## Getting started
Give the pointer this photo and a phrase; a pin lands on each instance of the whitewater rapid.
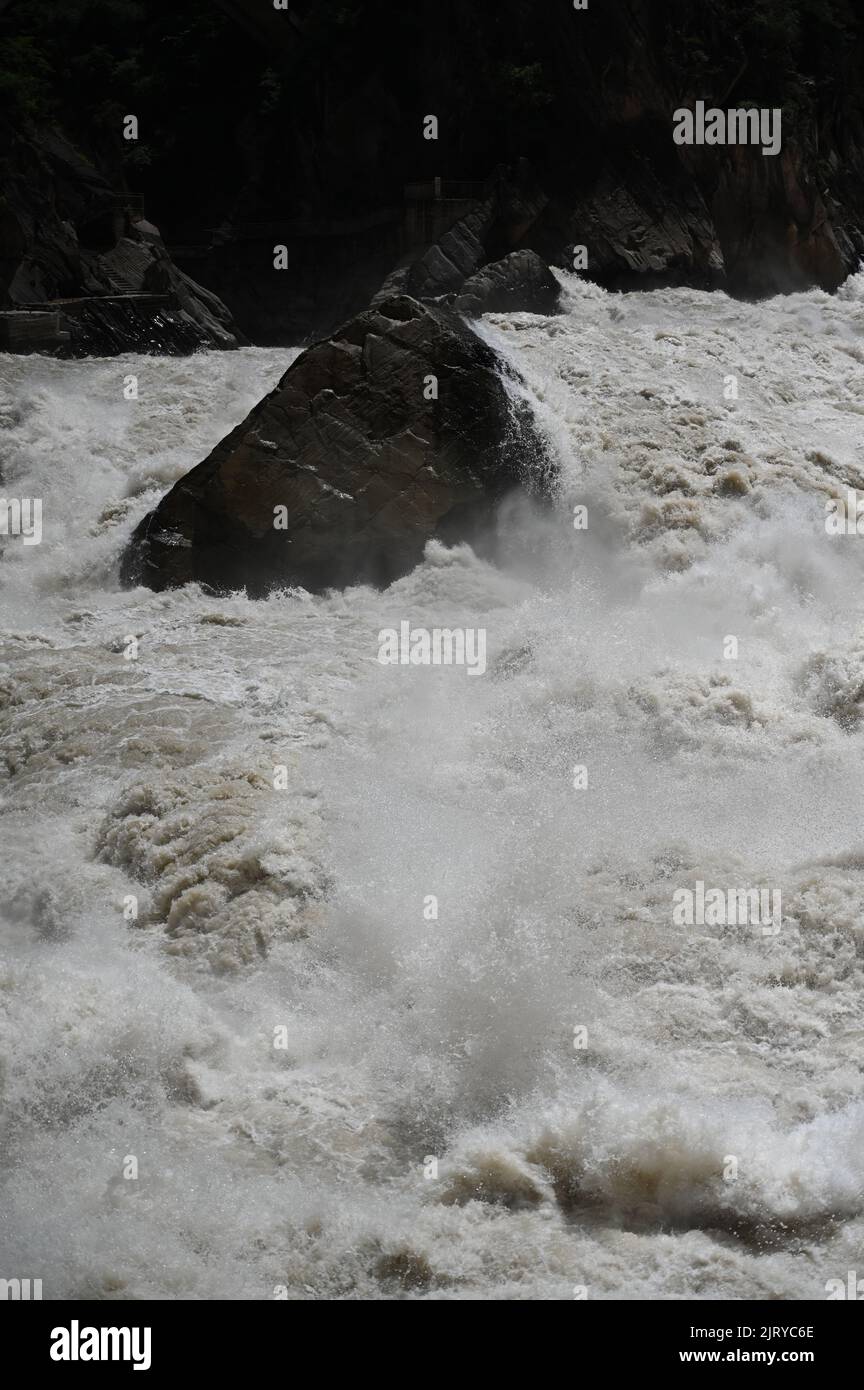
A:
(328, 1095)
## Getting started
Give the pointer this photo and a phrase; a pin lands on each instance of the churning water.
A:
(284, 1042)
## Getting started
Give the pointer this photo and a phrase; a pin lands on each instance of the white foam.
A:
(302, 909)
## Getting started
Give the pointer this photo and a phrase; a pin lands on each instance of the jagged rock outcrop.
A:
(779, 224)
(104, 326)
(457, 254)
(141, 264)
(65, 235)
(396, 429)
(633, 231)
(521, 282)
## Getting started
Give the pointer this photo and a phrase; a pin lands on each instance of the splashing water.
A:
(237, 990)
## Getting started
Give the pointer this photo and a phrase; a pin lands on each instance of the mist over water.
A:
(302, 909)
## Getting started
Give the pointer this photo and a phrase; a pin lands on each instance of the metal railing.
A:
(303, 227)
(133, 201)
(449, 190)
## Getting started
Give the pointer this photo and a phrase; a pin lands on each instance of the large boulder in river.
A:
(396, 429)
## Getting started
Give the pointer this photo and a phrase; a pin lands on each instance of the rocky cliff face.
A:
(647, 209)
(314, 137)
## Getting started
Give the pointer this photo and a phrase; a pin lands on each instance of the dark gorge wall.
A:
(303, 127)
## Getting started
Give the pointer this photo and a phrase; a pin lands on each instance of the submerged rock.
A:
(396, 429)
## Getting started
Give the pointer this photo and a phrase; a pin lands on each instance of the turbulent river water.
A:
(553, 1090)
